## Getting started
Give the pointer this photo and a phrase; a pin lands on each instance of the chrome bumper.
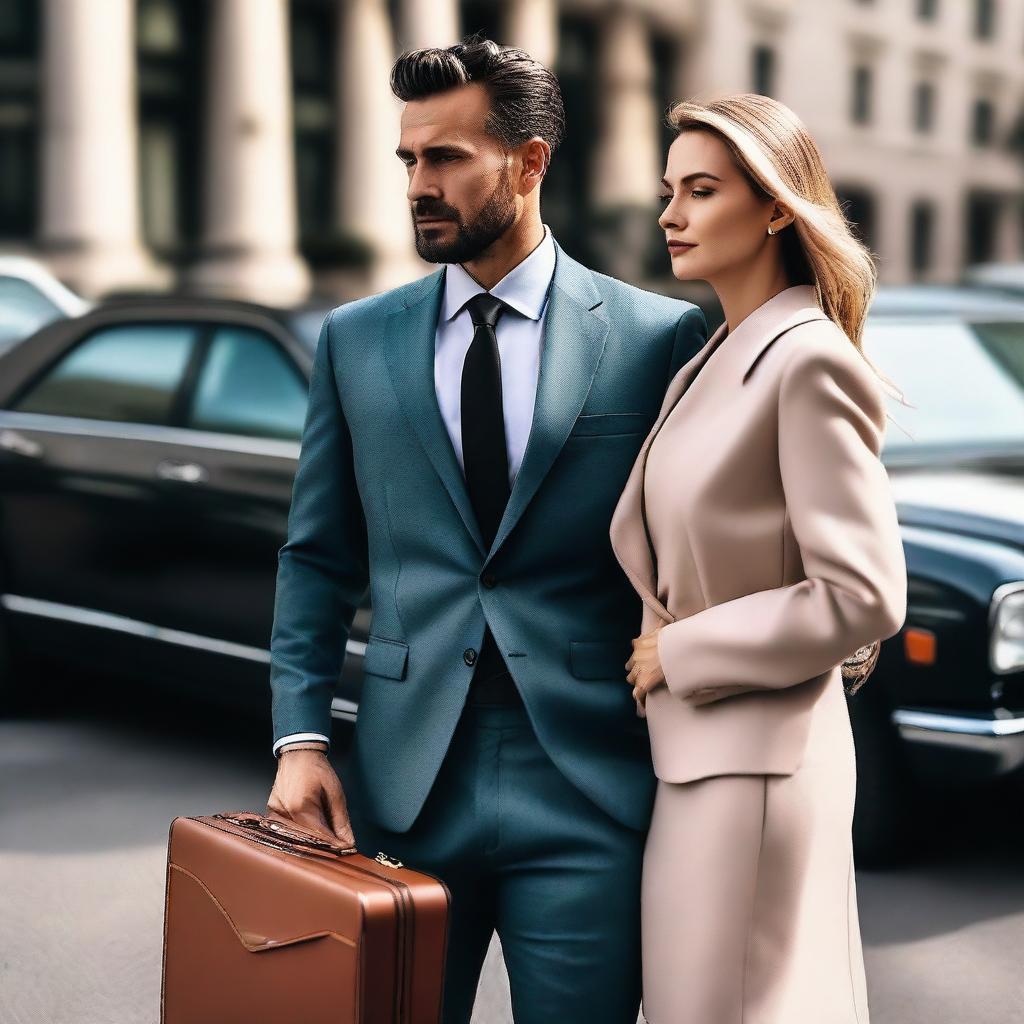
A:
(998, 738)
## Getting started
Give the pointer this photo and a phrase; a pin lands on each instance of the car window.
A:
(23, 310)
(128, 373)
(1006, 343)
(249, 385)
(958, 378)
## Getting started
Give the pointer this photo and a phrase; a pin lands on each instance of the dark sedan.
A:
(147, 451)
(946, 704)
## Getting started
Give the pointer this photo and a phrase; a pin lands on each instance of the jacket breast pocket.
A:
(385, 657)
(606, 424)
(598, 659)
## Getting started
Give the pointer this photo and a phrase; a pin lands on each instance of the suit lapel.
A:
(574, 339)
(628, 529)
(734, 364)
(409, 354)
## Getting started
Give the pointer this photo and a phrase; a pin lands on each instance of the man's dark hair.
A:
(525, 98)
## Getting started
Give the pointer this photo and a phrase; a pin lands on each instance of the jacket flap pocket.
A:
(595, 424)
(385, 657)
(599, 659)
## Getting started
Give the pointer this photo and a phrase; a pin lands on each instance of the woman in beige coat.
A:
(758, 528)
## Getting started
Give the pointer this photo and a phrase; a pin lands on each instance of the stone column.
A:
(627, 162)
(950, 241)
(91, 225)
(249, 235)
(371, 203)
(424, 23)
(892, 228)
(532, 25)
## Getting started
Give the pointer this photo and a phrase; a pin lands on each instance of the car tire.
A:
(885, 813)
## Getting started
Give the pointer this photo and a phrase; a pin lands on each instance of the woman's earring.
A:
(771, 230)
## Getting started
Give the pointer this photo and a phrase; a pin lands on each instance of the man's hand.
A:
(644, 667)
(308, 792)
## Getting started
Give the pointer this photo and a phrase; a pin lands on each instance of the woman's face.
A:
(713, 221)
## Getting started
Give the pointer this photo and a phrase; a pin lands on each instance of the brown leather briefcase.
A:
(267, 922)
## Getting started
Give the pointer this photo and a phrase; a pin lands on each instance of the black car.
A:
(147, 452)
(946, 703)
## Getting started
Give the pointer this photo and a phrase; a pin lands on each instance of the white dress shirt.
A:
(520, 335)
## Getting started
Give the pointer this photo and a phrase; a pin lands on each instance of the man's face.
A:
(461, 181)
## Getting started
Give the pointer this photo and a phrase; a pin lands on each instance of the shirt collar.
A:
(524, 288)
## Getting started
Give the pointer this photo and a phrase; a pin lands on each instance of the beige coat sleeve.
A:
(831, 423)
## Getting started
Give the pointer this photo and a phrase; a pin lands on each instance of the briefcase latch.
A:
(388, 862)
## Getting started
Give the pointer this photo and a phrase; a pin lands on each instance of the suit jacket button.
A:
(489, 581)
(469, 656)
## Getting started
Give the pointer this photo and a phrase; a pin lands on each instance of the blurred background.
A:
(246, 147)
(188, 186)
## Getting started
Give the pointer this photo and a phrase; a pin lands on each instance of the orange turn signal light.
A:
(919, 646)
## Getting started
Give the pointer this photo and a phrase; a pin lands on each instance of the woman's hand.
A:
(644, 667)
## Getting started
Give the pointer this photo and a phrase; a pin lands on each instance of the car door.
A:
(83, 520)
(245, 412)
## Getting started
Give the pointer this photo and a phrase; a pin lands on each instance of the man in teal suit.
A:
(467, 439)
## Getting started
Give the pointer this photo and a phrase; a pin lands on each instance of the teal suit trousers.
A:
(525, 854)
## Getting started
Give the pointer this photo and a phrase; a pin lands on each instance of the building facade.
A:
(246, 147)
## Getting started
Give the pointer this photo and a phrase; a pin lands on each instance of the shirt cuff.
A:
(295, 737)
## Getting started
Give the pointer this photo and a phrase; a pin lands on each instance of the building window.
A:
(983, 211)
(922, 231)
(763, 70)
(565, 202)
(983, 117)
(313, 34)
(169, 39)
(984, 19)
(859, 206)
(927, 10)
(924, 107)
(860, 110)
(19, 117)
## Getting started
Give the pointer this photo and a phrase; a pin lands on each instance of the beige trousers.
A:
(749, 899)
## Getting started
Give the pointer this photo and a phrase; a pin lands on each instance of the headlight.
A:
(1006, 650)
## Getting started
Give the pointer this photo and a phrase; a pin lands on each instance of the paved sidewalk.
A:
(86, 800)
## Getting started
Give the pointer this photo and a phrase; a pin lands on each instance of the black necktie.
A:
(484, 452)
(485, 458)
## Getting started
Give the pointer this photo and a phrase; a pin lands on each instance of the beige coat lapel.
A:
(734, 362)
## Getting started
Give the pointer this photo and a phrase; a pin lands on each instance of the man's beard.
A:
(471, 240)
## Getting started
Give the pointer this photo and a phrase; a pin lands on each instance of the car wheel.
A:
(885, 811)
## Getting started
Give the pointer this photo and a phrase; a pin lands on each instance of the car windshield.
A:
(965, 382)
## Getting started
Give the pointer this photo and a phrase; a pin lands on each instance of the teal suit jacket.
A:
(379, 501)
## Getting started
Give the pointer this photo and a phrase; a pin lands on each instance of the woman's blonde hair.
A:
(773, 148)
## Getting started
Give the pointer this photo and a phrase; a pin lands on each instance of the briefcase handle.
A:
(289, 834)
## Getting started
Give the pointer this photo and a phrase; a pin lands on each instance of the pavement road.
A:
(89, 784)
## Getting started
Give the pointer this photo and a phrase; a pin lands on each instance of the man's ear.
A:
(536, 157)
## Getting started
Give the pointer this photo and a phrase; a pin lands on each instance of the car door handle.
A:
(184, 472)
(12, 441)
